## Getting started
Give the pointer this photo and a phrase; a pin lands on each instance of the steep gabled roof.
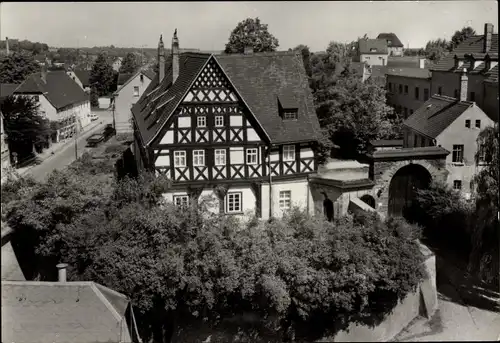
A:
(472, 45)
(63, 312)
(394, 40)
(83, 76)
(436, 114)
(124, 77)
(59, 89)
(366, 46)
(258, 78)
(148, 73)
(492, 75)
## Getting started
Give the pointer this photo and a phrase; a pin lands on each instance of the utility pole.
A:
(113, 108)
(76, 137)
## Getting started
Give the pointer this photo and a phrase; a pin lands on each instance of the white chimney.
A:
(488, 32)
(175, 57)
(61, 269)
(161, 60)
(421, 63)
(464, 80)
(7, 44)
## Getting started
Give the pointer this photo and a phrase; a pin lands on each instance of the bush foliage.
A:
(304, 276)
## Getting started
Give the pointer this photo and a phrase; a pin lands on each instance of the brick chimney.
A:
(61, 272)
(248, 50)
(7, 44)
(488, 32)
(175, 57)
(161, 60)
(464, 80)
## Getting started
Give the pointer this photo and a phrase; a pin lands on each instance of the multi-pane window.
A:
(467, 123)
(179, 158)
(478, 123)
(233, 202)
(417, 93)
(219, 121)
(289, 115)
(458, 153)
(202, 121)
(252, 156)
(457, 184)
(136, 91)
(198, 158)
(181, 200)
(285, 200)
(426, 94)
(37, 98)
(406, 89)
(289, 153)
(220, 157)
(482, 154)
(390, 86)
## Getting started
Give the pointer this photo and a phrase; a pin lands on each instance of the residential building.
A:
(5, 155)
(453, 124)
(373, 51)
(62, 311)
(408, 88)
(394, 45)
(60, 100)
(490, 98)
(478, 55)
(127, 95)
(83, 79)
(233, 131)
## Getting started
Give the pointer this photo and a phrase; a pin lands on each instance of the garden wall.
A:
(421, 302)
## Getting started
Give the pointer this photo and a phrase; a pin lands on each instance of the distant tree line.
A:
(24, 45)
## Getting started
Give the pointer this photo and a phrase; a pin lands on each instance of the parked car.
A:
(95, 140)
(93, 116)
(108, 132)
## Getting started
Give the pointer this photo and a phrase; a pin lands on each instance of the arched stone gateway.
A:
(403, 187)
(417, 166)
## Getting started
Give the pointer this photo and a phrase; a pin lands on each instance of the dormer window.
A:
(142, 78)
(287, 105)
(373, 50)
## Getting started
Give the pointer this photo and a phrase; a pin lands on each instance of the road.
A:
(65, 156)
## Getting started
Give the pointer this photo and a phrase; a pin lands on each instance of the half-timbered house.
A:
(237, 129)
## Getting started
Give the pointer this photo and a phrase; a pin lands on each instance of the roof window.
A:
(287, 105)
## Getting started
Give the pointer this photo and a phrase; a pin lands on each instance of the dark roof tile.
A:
(366, 46)
(60, 90)
(492, 75)
(436, 114)
(418, 73)
(392, 38)
(83, 76)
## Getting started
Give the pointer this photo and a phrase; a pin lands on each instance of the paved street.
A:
(467, 309)
(66, 155)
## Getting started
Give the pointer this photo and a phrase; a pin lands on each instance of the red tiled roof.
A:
(472, 45)
(418, 73)
(258, 78)
(366, 45)
(436, 114)
(63, 312)
(395, 42)
(60, 90)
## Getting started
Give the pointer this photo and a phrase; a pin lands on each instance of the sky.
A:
(207, 25)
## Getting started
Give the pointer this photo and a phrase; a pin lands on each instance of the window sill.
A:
(234, 213)
(457, 164)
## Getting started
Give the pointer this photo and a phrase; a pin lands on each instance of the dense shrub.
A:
(305, 277)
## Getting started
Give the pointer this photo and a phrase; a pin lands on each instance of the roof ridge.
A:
(260, 54)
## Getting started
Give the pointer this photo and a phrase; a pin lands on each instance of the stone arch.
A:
(403, 186)
(435, 167)
(368, 199)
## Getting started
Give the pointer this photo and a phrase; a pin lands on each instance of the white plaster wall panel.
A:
(236, 120)
(184, 122)
(236, 155)
(168, 138)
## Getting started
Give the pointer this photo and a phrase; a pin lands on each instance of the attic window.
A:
(142, 78)
(288, 107)
(373, 50)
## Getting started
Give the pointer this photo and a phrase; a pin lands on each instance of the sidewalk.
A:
(56, 147)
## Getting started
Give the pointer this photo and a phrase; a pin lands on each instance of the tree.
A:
(485, 236)
(435, 50)
(129, 64)
(102, 76)
(459, 36)
(306, 55)
(15, 68)
(251, 32)
(24, 126)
